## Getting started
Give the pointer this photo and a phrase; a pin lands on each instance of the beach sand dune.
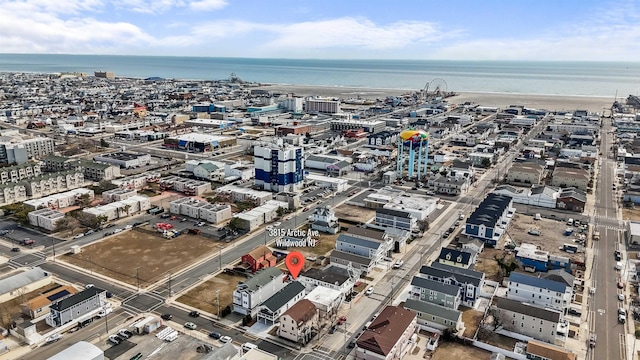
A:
(547, 102)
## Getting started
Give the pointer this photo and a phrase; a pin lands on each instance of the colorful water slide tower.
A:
(413, 146)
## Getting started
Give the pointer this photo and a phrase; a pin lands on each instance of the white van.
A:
(570, 222)
(619, 265)
(248, 346)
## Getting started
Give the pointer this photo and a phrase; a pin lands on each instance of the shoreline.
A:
(537, 101)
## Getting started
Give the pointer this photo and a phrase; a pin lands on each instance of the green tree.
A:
(63, 224)
(486, 163)
(104, 143)
(234, 223)
(84, 200)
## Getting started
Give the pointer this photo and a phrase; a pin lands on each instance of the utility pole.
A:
(169, 284)
(106, 322)
(53, 244)
(138, 277)
(218, 302)
(220, 256)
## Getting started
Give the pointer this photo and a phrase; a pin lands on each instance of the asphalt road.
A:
(604, 305)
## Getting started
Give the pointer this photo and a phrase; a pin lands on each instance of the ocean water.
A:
(516, 77)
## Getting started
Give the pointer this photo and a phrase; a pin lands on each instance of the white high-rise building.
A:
(279, 166)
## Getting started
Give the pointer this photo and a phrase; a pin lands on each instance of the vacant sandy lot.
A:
(119, 256)
(471, 319)
(450, 351)
(203, 296)
(354, 213)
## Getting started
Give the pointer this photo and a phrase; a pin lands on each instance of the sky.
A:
(567, 30)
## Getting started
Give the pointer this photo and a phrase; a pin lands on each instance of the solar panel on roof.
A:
(56, 296)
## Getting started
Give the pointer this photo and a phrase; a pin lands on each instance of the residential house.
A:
(537, 322)
(354, 262)
(389, 336)
(538, 291)
(297, 322)
(278, 303)
(76, 307)
(255, 290)
(324, 219)
(39, 305)
(525, 173)
(259, 258)
(327, 301)
(457, 258)
(471, 245)
(365, 247)
(207, 171)
(395, 218)
(19, 283)
(435, 292)
(331, 276)
(537, 350)
(572, 199)
(490, 218)
(469, 281)
(435, 316)
(448, 185)
(569, 177)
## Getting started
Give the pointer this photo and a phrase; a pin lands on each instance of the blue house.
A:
(488, 221)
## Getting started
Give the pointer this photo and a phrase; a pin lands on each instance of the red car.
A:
(342, 320)
(305, 209)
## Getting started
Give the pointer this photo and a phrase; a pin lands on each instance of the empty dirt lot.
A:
(120, 255)
(551, 232)
(451, 350)
(203, 296)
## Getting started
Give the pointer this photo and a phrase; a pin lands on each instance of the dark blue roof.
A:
(489, 210)
(424, 283)
(538, 282)
(453, 255)
(58, 295)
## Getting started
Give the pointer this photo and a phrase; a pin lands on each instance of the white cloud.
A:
(204, 5)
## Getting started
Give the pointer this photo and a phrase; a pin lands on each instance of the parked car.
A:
(305, 209)
(79, 236)
(618, 255)
(369, 291)
(109, 294)
(53, 338)
(333, 329)
(125, 333)
(194, 314)
(115, 339)
(342, 320)
(215, 335)
(592, 340)
(190, 326)
(534, 232)
(225, 339)
(398, 264)
(621, 297)
(166, 316)
(15, 249)
(89, 232)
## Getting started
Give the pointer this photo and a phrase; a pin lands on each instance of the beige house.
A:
(297, 322)
(567, 177)
(525, 173)
(39, 305)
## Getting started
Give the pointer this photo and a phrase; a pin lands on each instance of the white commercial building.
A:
(237, 193)
(336, 184)
(118, 194)
(213, 213)
(61, 200)
(120, 209)
(124, 160)
(45, 218)
(329, 106)
(263, 214)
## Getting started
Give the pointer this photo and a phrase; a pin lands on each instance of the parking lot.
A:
(184, 347)
(551, 233)
(16, 233)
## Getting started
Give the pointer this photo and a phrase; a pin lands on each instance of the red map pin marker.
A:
(295, 263)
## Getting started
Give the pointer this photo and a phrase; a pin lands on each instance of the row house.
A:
(539, 291)
(567, 177)
(271, 310)
(17, 173)
(250, 294)
(457, 258)
(45, 218)
(435, 316)
(469, 281)
(54, 183)
(365, 247)
(331, 277)
(540, 323)
(12, 193)
(490, 218)
(447, 185)
(525, 173)
(435, 292)
(199, 209)
(297, 323)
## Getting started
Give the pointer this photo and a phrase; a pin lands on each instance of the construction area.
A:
(141, 257)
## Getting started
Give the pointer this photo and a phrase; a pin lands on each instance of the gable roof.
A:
(72, 300)
(261, 278)
(546, 284)
(443, 274)
(358, 241)
(489, 210)
(424, 283)
(458, 270)
(356, 259)
(427, 308)
(386, 330)
(457, 256)
(330, 274)
(529, 310)
(301, 311)
(259, 252)
(366, 233)
(21, 279)
(50, 296)
(279, 299)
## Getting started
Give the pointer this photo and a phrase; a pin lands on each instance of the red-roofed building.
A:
(259, 258)
(389, 336)
(297, 322)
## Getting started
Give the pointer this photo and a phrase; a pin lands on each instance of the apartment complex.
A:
(279, 167)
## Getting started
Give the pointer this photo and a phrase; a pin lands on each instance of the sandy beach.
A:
(548, 102)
